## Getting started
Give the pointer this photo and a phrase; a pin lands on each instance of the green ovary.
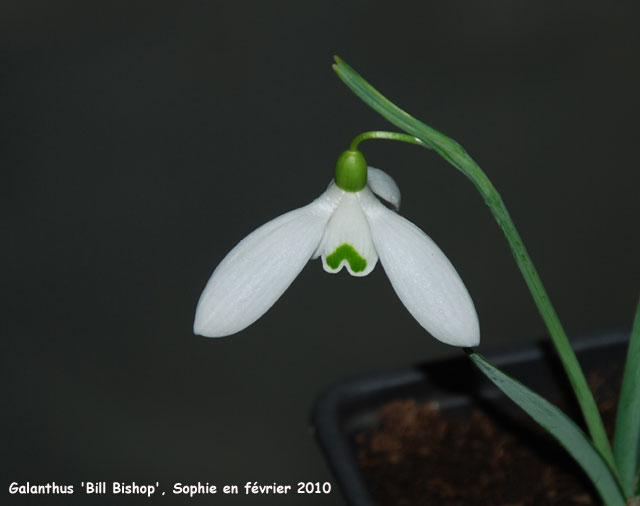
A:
(348, 253)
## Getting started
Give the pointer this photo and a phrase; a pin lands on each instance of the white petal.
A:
(347, 239)
(261, 267)
(422, 276)
(383, 185)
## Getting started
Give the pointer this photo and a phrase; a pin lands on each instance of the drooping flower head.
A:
(347, 226)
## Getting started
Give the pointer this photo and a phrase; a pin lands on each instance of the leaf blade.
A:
(561, 427)
(626, 442)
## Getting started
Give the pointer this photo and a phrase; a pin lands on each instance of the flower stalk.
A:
(392, 136)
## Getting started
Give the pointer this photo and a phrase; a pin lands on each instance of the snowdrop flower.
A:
(347, 226)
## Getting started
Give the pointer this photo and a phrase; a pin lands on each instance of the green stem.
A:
(548, 313)
(451, 151)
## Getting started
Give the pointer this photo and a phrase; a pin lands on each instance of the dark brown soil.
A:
(419, 457)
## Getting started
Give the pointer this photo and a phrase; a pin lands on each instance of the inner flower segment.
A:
(347, 240)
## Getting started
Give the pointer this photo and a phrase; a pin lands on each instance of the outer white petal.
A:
(347, 239)
(261, 267)
(422, 276)
(383, 185)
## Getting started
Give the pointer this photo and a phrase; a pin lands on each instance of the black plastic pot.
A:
(352, 406)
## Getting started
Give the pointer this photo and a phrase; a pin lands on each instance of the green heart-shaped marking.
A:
(348, 253)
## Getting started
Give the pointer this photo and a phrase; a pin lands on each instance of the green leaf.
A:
(626, 443)
(451, 151)
(561, 427)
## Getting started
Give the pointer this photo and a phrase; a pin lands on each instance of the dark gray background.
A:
(142, 140)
